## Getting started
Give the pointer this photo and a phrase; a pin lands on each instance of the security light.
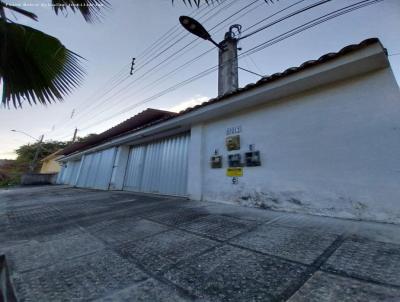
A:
(194, 27)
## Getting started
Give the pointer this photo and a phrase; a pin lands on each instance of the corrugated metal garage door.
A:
(69, 172)
(159, 167)
(96, 169)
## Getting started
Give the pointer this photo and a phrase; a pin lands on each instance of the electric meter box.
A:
(216, 161)
(232, 142)
(253, 159)
(235, 160)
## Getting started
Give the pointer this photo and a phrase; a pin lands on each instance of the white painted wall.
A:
(331, 151)
(196, 165)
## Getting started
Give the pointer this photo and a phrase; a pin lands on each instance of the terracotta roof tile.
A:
(131, 126)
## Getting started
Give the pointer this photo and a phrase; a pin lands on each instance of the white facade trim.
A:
(363, 61)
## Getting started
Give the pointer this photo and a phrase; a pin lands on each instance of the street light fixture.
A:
(36, 139)
(194, 27)
(228, 75)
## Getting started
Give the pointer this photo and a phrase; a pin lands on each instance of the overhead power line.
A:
(154, 68)
(120, 76)
(249, 71)
(171, 56)
(285, 18)
(255, 49)
(314, 23)
(273, 15)
(154, 45)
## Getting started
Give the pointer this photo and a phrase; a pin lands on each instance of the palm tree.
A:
(37, 67)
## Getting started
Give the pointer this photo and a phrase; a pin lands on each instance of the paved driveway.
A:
(64, 244)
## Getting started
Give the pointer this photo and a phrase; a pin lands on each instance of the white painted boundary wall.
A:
(331, 151)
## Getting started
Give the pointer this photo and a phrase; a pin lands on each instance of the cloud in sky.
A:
(196, 100)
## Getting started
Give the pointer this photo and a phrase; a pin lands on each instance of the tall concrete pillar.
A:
(228, 78)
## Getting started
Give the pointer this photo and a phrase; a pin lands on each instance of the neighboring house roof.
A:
(137, 123)
(143, 118)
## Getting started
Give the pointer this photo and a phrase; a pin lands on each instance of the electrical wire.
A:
(273, 15)
(313, 23)
(173, 55)
(165, 60)
(249, 71)
(314, 5)
(153, 45)
(253, 50)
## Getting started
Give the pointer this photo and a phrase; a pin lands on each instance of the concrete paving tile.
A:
(81, 279)
(4, 222)
(327, 287)
(33, 254)
(303, 221)
(158, 253)
(50, 227)
(149, 290)
(218, 227)
(179, 216)
(134, 212)
(294, 244)
(43, 232)
(241, 212)
(384, 232)
(123, 230)
(167, 206)
(232, 274)
(33, 215)
(370, 260)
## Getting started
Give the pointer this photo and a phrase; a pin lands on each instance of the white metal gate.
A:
(159, 167)
(69, 172)
(96, 169)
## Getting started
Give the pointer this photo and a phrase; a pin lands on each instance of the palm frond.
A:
(91, 10)
(197, 2)
(19, 10)
(35, 66)
(208, 2)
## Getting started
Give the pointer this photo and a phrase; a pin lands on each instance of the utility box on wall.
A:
(216, 161)
(235, 160)
(252, 159)
(232, 142)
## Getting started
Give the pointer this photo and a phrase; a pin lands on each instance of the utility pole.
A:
(33, 164)
(228, 76)
(74, 137)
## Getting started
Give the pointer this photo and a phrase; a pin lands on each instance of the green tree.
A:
(11, 171)
(86, 137)
(26, 153)
(37, 67)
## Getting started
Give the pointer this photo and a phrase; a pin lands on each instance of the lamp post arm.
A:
(35, 138)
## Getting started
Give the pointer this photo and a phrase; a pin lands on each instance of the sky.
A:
(150, 32)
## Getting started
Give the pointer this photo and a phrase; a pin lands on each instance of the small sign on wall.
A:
(233, 130)
(234, 172)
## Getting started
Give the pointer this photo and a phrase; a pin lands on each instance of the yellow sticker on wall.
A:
(234, 172)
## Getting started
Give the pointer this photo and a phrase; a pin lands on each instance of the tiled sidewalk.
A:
(65, 244)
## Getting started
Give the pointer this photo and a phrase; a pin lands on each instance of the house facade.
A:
(321, 138)
(50, 163)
